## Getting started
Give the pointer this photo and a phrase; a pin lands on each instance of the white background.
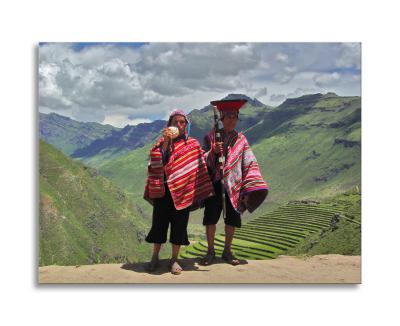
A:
(25, 23)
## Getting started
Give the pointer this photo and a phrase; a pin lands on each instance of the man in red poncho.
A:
(177, 182)
(243, 185)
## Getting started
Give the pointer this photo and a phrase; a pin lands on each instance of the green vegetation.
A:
(314, 154)
(84, 218)
(130, 172)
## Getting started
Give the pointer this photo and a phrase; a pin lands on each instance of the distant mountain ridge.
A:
(69, 135)
(121, 141)
(94, 143)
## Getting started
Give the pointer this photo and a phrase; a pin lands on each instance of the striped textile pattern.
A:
(186, 175)
(242, 175)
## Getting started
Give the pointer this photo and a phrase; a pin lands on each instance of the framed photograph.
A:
(199, 163)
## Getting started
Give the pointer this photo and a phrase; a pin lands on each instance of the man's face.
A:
(229, 119)
(179, 122)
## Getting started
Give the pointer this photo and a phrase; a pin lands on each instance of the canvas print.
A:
(199, 163)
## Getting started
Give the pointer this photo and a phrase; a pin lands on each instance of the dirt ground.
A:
(284, 269)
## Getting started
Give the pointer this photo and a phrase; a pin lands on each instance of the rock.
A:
(347, 143)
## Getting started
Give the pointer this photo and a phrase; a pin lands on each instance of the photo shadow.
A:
(187, 264)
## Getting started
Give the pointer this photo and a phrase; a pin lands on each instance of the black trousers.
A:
(164, 214)
(213, 209)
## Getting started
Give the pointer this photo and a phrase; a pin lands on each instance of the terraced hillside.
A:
(288, 227)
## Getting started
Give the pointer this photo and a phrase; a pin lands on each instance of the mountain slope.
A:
(312, 154)
(84, 218)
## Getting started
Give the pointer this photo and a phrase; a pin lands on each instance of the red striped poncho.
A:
(186, 175)
(242, 175)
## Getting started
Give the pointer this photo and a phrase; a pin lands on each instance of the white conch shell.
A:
(175, 131)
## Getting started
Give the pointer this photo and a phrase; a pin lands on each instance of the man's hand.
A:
(219, 147)
(167, 134)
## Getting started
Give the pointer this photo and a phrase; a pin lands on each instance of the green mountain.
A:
(69, 135)
(84, 218)
(310, 147)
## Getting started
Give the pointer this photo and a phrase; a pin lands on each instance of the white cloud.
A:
(282, 57)
(302, 91)
(277, 97)
(261, 92)
(121, 121)
(121, 84)
(137, 121)
(349, 56)
(326, 80)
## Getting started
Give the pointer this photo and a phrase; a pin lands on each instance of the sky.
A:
(131, 83)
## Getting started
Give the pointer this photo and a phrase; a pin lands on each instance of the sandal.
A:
(230, 258)
(153, 265)
(174, 267)
(207, 259)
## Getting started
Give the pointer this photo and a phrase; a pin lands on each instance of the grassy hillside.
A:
(84, 218)
(312, 154)
(130, 172)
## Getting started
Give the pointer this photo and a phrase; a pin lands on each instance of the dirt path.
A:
(285, 269)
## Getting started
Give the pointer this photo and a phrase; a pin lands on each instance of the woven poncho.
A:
(242, 175)
(186, 175)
